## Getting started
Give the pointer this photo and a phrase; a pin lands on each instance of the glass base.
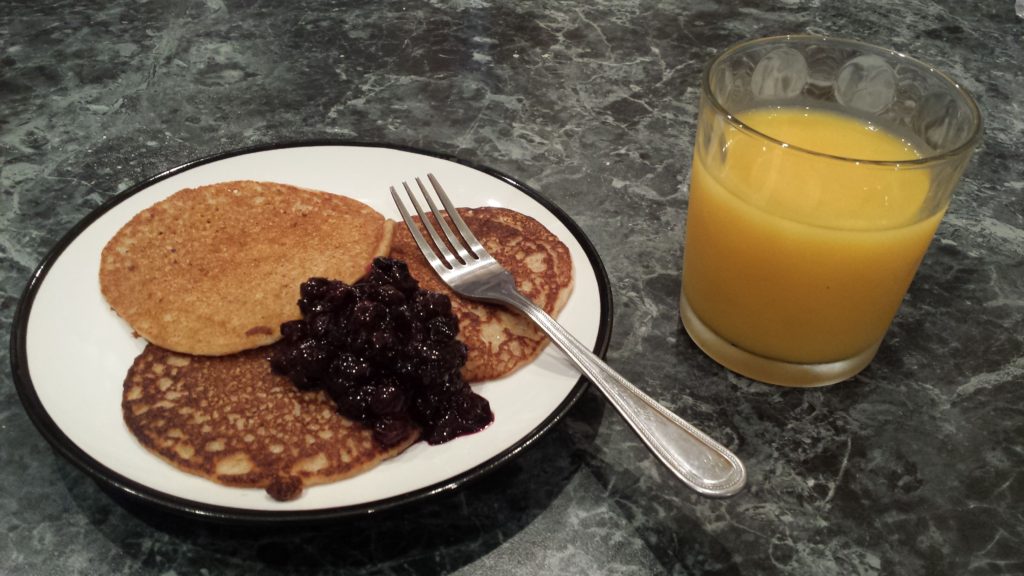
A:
(768, 370)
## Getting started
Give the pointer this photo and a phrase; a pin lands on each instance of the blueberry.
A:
(387, 294)
(293, 331)
(351, 368)
(443, 328)
(390, 431)
(387, 354)
(387, 399)
(368, 314)
(314, 289)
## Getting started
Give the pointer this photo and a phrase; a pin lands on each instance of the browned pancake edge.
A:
(232, 421)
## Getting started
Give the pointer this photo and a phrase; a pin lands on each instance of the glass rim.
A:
(963, 148)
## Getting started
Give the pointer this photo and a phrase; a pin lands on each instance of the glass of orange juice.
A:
(821, 170)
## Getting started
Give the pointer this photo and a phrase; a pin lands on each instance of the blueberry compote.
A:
(386, 352)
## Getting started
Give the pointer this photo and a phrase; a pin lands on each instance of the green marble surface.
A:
(916, 466)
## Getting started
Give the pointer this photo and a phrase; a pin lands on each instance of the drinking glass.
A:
(821, 170)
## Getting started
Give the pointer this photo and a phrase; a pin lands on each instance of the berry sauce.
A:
(386, 352)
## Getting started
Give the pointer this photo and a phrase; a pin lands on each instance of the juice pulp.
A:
(800, 257)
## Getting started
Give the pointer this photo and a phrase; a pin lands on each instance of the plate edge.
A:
(49, 429)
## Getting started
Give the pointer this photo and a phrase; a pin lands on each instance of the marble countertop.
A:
(916, 466)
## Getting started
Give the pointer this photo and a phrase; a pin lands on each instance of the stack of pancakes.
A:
(208, 275)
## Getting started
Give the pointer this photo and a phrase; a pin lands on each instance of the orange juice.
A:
(802, 257)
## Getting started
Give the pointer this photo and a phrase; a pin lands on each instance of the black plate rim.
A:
(109, 478)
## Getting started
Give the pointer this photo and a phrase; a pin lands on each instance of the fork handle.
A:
(696, 459)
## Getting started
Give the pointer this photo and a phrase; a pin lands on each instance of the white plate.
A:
(71, 352)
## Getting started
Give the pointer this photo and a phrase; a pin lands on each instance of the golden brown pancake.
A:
(231, 420)
(500, 340)
(216, 269)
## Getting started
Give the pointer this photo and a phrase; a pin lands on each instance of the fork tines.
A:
(450, 251)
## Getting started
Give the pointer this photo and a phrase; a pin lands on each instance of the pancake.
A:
(500, 340)
(216, 269)
(231, 420)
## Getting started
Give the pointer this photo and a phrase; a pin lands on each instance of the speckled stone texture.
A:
(914, 467)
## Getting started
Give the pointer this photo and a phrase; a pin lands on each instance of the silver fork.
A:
(696, 459)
